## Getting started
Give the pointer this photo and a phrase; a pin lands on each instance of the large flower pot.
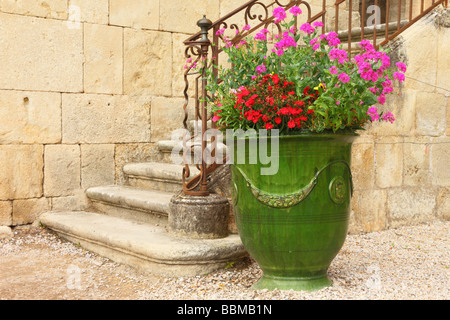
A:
(294, 223)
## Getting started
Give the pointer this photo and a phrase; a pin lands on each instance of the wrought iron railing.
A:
(398, 15)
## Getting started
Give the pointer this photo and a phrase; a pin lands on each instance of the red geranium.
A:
(270, 103)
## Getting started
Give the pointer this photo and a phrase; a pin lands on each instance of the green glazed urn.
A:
(294, 222)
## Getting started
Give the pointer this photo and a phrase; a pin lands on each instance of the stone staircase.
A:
(128, 224)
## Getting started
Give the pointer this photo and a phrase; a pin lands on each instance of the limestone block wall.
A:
(402, 171)
(81, 84)
(87, 86)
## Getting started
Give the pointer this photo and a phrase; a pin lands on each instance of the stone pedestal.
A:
(199, 217)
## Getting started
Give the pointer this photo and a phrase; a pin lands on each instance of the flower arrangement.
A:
(281, 83)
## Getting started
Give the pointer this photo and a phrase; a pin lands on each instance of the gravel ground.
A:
(410, 263)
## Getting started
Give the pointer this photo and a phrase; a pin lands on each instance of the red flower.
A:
(275, 79)
(291, 124)
(269, 126)
(277, 120)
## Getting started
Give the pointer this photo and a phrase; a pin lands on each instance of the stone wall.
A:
(82, 82)
(88, 86)
(401, 171)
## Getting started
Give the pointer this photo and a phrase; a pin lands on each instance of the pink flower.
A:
(382, 99)
(262, 36)
(373, 114)
(261, 69)
(366, 45)
(247, 27)
(333, 70)
(295, 11)
(344, 77)
(316, 46)
(307, 28)
(399, 76)
(338, 54)
(388, 117)
(220, 32)
(401, 66)
(215, 118)
(317, 24)
(333, 39)
(280, 14)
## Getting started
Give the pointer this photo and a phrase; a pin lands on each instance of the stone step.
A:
(140, 205)
(142, 246)
(167, 147)
(165, 177)
(369, 31)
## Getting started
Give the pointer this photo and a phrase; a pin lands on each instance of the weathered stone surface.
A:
(143, 246)
(62, 170)
(389, 163)
(422, 59)
(447, 132)
(403, 105)
(431, 114)
(5, 213)
(97, 165)
(77, 202)
(143, 206)
(178, 67)
(139, 14)
(89, 118)
(369, 211)
(443, 74)
(133, 152)
(27, 211)
(41, 54)
(220, 183)
(416, 161)
(21, 171)
(363, 165)
(182, 16)
(92, 11)
(440, 163)
(199, 217)
(443, 204)
(156, 176)
(29, 117)
(6, 232)
(148, 62)
(410, 206)
(55, 9)
(167, 116)
(103, 67)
